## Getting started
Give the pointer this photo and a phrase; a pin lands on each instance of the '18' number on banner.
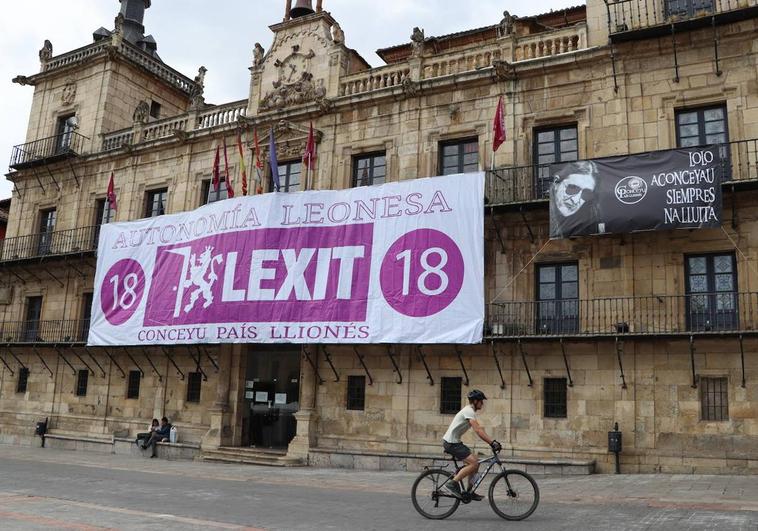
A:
(122, 290)
(422, 273)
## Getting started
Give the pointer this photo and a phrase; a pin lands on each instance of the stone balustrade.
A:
(374, 79)
(156, 67)
(221, 115)
(117, 139)
(550, 43)
(460, 61)
(75, 56)
(164, 128)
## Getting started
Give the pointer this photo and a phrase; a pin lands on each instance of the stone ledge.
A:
(368, 460)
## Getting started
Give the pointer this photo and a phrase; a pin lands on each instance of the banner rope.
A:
(744, 256)
(512, 280)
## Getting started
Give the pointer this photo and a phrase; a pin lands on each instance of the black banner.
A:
(661, 190)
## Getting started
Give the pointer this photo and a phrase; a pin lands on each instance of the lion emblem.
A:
(202, 274)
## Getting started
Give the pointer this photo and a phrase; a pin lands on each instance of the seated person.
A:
(142, 437)
(163, 433)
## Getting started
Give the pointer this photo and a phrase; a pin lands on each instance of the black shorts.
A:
(458, 450)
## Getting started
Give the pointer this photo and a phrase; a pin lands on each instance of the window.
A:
(47, 220)
(450, 400)
(132, 388)
(86, 315)
(714, 399)
(687, 8)
(156, 203)
(711, 292)
(65, 129)
(553, 145)
(155, 110)
(369, 170)
(23, 380)
(210, 195)
(289, 176)
(356, 392)
(459, 156)
(105, 213)
(557, 298)
(33, 314)
(555, 398)
(194, 382)
(702, 127)
(81, 382)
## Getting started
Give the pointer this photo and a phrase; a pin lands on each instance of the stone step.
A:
(248, 457)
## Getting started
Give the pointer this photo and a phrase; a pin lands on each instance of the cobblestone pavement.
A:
(43, 489)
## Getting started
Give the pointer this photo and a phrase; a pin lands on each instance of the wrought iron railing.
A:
(634, 15)
(55, 147)
(44, 332)
(50, 244)
(524, 184)
(702, 313)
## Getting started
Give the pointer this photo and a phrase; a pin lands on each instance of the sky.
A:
(218, 35)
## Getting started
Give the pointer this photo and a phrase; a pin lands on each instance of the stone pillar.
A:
(220, 432)
(307, 417)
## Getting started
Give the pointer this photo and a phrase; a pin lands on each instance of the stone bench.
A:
(119, 446)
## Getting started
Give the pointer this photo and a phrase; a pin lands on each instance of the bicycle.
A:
(509, 490)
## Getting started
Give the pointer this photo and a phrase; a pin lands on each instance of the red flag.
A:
(499, 126)
(243, 166)
(229, 189)
(216, 170)
(309, 158)
(111, 194)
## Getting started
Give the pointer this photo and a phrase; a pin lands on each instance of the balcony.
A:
(48, 150)
(72, 332)
(49, 245)
(519, 185)
(657, 315)
(640, 19)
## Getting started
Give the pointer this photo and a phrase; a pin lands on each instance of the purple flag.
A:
(273, 161)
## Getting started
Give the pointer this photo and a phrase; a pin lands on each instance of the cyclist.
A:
(451, 442)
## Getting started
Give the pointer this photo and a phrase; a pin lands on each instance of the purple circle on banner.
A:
(422, 273)
(122, 290)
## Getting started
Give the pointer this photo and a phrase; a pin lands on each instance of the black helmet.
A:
(476, 394)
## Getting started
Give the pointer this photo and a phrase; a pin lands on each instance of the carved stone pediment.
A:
(290, 141)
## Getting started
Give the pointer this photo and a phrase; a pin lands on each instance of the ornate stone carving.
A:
(141, 113)
(303, 91)
(417, 42)
(411, 89)
(22, 80)
(504, 71)
(46, 53)
(258, 54)
(68, 95)
(119, 24)
(338, 36)
(200, 77)
(506, 25)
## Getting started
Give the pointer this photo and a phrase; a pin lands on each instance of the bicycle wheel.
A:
(514, 495)
(430, 499)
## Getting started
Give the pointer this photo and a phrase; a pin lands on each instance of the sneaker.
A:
(453, 488)
(476, 497)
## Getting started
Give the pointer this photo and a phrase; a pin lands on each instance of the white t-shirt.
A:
(460, 425)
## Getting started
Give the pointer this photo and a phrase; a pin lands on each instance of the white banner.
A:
(396, 263)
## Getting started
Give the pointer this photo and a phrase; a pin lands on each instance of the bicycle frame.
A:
(491, 462)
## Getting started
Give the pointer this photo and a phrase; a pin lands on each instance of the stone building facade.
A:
(598, 80)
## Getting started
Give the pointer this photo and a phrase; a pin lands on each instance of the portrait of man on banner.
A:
(575, 208)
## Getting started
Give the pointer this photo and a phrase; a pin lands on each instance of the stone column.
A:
(220, 432)
(307, 416)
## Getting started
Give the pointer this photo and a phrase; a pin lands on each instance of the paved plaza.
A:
(53, 489)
